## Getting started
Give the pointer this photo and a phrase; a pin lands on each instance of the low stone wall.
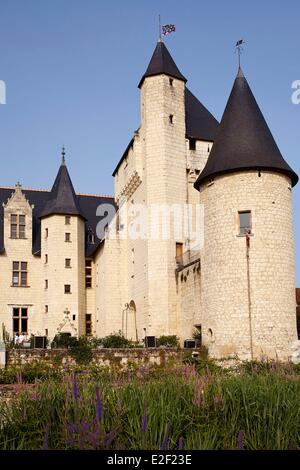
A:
(107, 357)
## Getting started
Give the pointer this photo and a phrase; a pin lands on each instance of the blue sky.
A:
(71, 68)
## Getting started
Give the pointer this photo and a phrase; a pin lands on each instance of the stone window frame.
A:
(18, 226)
(68, 263)
(67, 220)
(67, 289)
(20, 274)
(247, 229)
(67, 237)
(20, 316)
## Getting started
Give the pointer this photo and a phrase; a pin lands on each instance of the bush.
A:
(116, 340)
(63, 340)
(81, 351)
(167, 341)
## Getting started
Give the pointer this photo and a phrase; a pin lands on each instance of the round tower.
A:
(247, 264)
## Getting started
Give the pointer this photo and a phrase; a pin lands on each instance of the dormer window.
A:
(90, 237)
(17, 226)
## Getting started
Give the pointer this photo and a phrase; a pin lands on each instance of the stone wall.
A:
(106, 357)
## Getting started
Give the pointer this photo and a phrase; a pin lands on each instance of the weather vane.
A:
(239, 48)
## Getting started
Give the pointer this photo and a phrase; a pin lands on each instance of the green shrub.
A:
(81, 351)
(117, 340)
(167, 341)
(63, 340)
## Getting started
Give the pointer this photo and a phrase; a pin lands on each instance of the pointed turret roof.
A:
(244, 140)
(63, 199)
(199, 122)
(162, 63)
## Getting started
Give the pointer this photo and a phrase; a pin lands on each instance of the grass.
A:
(177, 407)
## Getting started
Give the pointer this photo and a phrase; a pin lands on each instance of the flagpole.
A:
(159, 26)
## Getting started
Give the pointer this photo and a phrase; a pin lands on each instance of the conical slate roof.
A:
(63, 199)
(162, 63)
(244, 140)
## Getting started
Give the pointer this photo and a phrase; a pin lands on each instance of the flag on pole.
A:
(168, 28)
(239, 43)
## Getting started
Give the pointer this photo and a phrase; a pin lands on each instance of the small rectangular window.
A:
(67, 289)
(171, 118)
(88, 324)
(46, 259)
(67, 262)
(67, 220)
(20, 320)
(171, 81)
(88, 274)
(46, 283)
(17, 226)
(245, 221)
(19, 277)
(46, 309)
(67, 237)
(192, 144)
(46, 233)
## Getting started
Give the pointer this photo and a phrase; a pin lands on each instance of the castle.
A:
(71, 263)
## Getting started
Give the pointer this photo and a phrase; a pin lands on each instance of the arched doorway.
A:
(130, 322)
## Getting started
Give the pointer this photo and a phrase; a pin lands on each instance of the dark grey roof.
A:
(87, 205)
(244, 141)
(62, 198)
(162, 63)
(199, 122)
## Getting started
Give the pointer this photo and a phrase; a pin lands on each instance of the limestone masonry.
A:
(198, 238)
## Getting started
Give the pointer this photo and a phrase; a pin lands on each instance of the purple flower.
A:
(46, 440)
(109, 437)
(75, 390)
(241, 440)
(164, 445)
(181, 443)
(144, 420)
(99, 405)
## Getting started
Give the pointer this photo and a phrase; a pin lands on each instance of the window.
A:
(171, 81)
(67, 262)
(46, 259)
(192, 144)
(67, 289)
(46, 233)
(20, 320)
(74, 317)
(88, 274)
(245, 222)
(88, 324)
(67, 220)
(46, 283)
(171, 118)
(91, 236)
(67, 237)
(179, 253)
(46, 309)
(19, 278)
(17, 226)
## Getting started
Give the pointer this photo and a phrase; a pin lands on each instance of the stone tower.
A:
(63, 258)
(163, 136)
(247, 264)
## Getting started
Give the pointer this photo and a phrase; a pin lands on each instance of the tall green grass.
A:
(171, 408)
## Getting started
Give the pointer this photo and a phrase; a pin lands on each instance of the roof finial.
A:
(63, 153)
(238, 49)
